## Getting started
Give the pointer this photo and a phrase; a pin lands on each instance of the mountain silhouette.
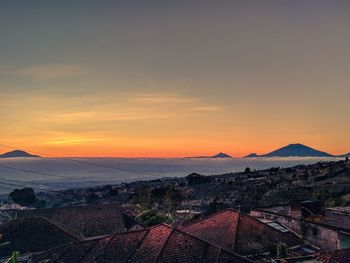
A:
(17, 153)
(218, 156)
(221, 155)
(252, 155)
(297, 150)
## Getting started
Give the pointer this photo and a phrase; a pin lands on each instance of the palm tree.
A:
(13, 258)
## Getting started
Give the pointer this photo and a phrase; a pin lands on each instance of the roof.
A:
(339, 256)
(330, 219)
(159, 244)
(88, 220)
(33, 235)
(243, 234)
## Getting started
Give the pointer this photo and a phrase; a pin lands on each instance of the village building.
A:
(244, 235)
(159, 244)
(31, 235)
(86, 221)
(327, 229)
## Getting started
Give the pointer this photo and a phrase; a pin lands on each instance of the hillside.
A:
(297, 150)
(17, 153)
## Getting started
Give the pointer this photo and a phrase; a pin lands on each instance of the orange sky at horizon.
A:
(160, 79)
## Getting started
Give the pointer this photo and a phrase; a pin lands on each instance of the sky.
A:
(174, 78)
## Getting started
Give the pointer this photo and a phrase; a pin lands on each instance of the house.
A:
(338, 256)
(240, 233)
(87, 220)
(159, 244)
(33, 235)
(329, 230)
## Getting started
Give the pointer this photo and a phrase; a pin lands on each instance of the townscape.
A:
(169, 131)
(295, 214)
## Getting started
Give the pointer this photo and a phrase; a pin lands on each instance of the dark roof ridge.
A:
(207, 245)
(95, 243)
(53, 223)
(212, 215)
(208, 242)
(63, 228)
(166, 241)
(218, 255)
(140, 230)
(236, 230)
(65, 246)
(82, 257)
(268, 206)
(139, 244)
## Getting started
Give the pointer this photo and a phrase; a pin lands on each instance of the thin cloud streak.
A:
(50, 71)
(208, 109)
(163, 98)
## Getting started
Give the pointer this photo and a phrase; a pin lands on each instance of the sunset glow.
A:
(184, 79)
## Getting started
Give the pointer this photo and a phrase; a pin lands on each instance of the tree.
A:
(24, 196)
(142, 197)
(151, 218)
(172, 199)
(247, 170)
(213, 205)
(282, 250)
(92, 198)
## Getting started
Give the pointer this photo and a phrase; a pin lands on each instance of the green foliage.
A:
(330, 199)
(155, 220)
(332, 202)
(24, 196)
(282, 250)
(13, 258)
(151, 218)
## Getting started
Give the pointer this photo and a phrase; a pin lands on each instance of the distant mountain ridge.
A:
(344, 155)
(16, 154)
(294, 150)
(217, 156)
(252, 155)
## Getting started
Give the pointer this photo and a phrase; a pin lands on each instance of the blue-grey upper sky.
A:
(171, 78)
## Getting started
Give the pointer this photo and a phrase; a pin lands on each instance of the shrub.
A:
(24, 196)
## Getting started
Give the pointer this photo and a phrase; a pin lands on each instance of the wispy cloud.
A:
(159, 98)
(207, 109)
(107, 115)
(153, 106)
(72, 140)
(50, 71)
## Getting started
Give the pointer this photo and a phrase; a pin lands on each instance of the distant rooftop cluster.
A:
(98, 233)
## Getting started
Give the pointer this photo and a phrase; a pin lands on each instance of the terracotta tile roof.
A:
(33, 235)
(339, 256)
(89, 220)
(121, 247)
(240, 233)
(219, 228)
(183, 247)
(154, 245)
